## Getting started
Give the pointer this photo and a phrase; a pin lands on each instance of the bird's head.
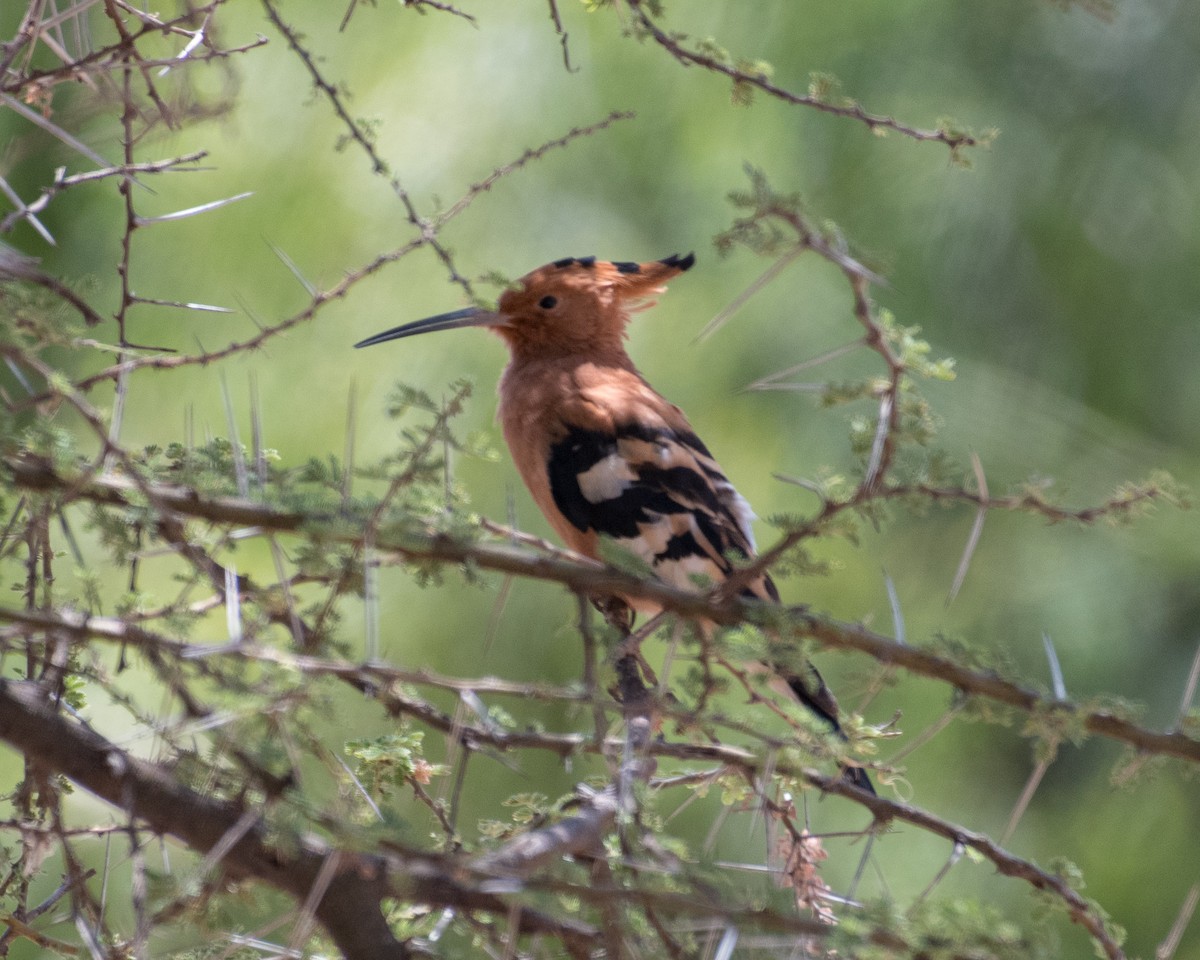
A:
(579, 305)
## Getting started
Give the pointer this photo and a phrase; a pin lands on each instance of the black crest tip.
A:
(572, 261)
(678, 262)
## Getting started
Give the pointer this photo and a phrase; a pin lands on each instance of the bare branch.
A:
(854, 111)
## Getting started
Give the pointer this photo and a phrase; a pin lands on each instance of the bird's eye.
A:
(548, 303)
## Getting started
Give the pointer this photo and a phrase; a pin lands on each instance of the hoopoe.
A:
(602, 453)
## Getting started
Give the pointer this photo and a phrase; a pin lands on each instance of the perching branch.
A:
(590, 578)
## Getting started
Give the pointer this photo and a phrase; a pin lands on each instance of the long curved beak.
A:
(470, 317)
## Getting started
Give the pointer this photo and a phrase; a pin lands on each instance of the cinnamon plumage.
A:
(602, 453)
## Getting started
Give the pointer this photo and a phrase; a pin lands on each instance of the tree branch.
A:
(594, 579)
(955, 141)
(349, 910)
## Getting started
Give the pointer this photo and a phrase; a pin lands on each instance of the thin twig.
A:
(854, 111)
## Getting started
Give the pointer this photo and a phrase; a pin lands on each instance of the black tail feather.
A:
(811, 691)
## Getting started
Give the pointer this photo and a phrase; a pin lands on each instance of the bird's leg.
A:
(617, 613)
(641, 720)
(631, 689)
(620, 616)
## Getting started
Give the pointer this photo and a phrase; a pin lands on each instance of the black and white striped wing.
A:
(658, 493)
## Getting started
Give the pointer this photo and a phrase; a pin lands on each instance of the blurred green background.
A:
(1060, 271)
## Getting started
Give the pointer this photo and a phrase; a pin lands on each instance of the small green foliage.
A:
(1048, 904)
(1135, 499)
(118, 533)
(386, 762)
(527, 809)
(622, 558)
(799, 560)
(911, 351)
(405, 398)
(74, 691)
(742, 92)
(368, 132)
(939, 929)
(34, 318)
(1051, 725)
(322, 472)
(90, 588)
(960, 927)
(44, 438)
(769, 226)
(407, 920)
(742, 643)
(500, 718)
(709, 48)
(836, 394)
(1137, 768)
(823, 86)
(493, 829)
(1114, 706)
(973, 658)
(959, 137)
(736, 790)
(285, 824)
(1069, 872)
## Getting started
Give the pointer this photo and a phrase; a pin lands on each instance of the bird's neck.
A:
(542, 388)
(547, 361)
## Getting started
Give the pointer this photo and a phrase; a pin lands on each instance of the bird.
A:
(602, 453)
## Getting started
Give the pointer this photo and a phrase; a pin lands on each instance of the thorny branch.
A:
(231, 821)
(93, 64)
(351, 908)
(590, 578)
(426, 229)
(319, 299)
(536, 153)
(582, 831)
(956, 141)
(62, 182)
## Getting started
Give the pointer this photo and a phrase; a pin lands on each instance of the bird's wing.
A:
(656, 491)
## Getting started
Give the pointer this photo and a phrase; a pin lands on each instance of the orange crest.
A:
(581, 304)
(578, 306)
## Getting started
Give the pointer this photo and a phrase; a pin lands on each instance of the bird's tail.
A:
(810, 689)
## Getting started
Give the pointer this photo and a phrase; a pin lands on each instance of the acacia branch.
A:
(350, 909)
(594, 579)
(854, 111)
(426, 230)
(1080, 910)
(581, 832)
(62, 182)
(319, 299)
(203, 359)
